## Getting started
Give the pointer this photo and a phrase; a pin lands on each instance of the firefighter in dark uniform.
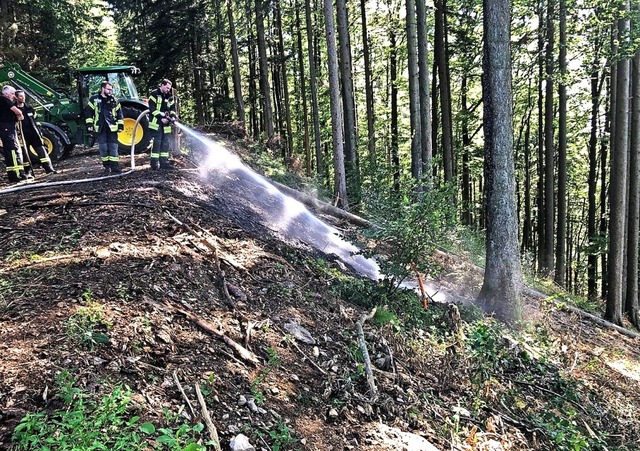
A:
(162, 108)
(104, 118)
(31, 136)
(9, 115)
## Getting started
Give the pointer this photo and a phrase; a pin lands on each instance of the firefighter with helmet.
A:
(162, 109)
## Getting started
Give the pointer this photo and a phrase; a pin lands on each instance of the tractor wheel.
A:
(53, 143)
(143, 134)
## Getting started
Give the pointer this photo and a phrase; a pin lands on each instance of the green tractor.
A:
(62, 116)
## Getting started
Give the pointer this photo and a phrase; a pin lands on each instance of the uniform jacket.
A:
(103, 112)
(161, 105)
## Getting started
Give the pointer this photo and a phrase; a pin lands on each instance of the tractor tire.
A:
(143, 134)
(53, 143)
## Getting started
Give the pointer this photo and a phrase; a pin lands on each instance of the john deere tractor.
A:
(62, 116)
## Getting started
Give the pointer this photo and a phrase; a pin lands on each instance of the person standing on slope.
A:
(104, 118)
(9, 115)
(162, 109)
(31, 134)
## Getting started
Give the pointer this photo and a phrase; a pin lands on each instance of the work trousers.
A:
(161, 148)
(35, 152)
(12, 157)
(108, 147)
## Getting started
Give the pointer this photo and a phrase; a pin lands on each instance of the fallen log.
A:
(321, 206)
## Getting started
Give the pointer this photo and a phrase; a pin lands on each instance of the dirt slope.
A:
(153, 253)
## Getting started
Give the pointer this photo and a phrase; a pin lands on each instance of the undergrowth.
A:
(492, 370)
(84, 422)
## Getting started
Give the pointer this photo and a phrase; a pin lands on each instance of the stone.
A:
(241, 443)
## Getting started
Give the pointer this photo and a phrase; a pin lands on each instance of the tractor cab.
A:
(89, 79)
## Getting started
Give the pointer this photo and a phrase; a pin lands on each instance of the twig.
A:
(241, 351)
(425, 296)
(177, 381)
(207, 327)
(365, 353)
(213, 432)
(295, 345)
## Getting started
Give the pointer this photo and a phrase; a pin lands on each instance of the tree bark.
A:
(633, 227)
(393, 80)
(285, 86)
(368, 87)
(267, 113)
(340, 181)
(313, 86)
(303, 95)
(414, 92)
(348, 104)
(441, 59)
(592, 258)
(562, 149)
(549, 165)
(237, 81)
(618, 197)
(500, 293)
(425, 98)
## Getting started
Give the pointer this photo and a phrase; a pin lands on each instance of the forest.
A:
(407, 84)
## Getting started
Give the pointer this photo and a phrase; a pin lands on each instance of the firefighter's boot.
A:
(164, 164)
(13, 176)
(107, 167)
(115, 168)
(48, 168)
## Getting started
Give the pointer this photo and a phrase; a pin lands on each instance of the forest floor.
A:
(145, 280)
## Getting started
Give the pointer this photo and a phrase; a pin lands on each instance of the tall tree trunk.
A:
(267, 113)
(348, 104)
(633, 228)
(618, 198)
(527, 226)
(254, 117)
(340, 180)
(436, 120)
(285, 85)
(425, 100)
(368, 86)
(441, 59)
(540, 135)
(549, 166)
(592, 258)
(562, 149)
(393, 80)
(500, 291)
(313, 86)
(237, 81)
(414, 93)
(303, 94)
(466, 144)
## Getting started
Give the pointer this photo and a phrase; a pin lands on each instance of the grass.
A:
(86, 422)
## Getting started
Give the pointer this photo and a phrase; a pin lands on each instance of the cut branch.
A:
(365, 353)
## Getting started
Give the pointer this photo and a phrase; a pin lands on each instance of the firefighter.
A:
(104, 118)
(31, 135)
(162, 108)
(9, 115)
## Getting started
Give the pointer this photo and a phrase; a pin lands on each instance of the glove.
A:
(120, 127)
(90, 128)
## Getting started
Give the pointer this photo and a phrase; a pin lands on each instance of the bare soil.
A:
(159, 253)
